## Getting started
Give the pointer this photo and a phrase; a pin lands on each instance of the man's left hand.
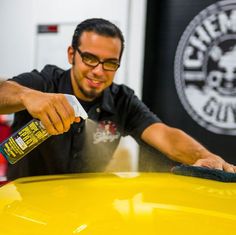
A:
(215, 162)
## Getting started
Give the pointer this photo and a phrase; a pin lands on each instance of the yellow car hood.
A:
(119, 203)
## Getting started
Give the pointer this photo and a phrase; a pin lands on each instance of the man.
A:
(95, 56)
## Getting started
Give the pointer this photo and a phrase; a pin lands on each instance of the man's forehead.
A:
(94, 35)
(94, 41)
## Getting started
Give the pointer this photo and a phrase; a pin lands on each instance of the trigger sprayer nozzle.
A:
(78, 108)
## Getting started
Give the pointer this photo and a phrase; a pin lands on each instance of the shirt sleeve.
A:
(45, 81)
(137, 116)
(32, 80)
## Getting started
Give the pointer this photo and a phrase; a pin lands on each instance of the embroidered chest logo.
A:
(205, 68)
(106, 132)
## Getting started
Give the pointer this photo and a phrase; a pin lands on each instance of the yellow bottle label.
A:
(23, 141)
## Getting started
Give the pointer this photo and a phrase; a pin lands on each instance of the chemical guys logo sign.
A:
(205, 68)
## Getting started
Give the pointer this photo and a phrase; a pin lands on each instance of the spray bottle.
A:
(32, 134)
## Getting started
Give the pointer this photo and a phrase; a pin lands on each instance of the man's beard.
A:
(92, 94)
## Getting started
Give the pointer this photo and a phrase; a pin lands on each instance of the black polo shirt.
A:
(89, 145)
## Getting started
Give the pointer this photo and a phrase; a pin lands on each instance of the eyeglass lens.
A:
(92, 60)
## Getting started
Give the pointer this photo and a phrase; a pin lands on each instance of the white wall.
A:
(19, 20)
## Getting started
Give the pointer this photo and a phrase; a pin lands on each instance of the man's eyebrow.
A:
(89, 53)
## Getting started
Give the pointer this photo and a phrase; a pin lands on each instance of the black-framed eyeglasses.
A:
(93, 61)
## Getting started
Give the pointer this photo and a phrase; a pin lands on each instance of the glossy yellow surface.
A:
(122, 203)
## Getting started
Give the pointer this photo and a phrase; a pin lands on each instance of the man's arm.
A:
(54, 111)
(10, 97)
(180, 147)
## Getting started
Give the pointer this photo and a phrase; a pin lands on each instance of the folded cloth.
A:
(204, 172)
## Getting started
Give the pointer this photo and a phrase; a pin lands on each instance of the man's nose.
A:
(98, 70)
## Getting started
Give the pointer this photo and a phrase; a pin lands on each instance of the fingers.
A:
(216, 164)
(48, 125)
(55, 122)
(66, 115)
(54, 111)
(229, 168)
(199, 163)
(77, 119)
(209, 164)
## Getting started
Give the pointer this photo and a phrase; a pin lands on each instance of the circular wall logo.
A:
(205, 68)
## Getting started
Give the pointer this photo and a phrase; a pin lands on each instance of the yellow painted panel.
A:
(119, 203)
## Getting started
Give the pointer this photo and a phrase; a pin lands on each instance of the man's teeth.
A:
(95, 81)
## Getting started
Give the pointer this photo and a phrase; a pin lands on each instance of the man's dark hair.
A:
(101, 27)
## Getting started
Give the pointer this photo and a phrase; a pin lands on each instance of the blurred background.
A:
(179, 59)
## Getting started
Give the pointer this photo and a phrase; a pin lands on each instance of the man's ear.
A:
(71, 55)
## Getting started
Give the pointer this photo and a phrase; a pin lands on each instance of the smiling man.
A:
(100, 53)
(95, 56)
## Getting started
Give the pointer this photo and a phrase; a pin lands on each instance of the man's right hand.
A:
(54, 110)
